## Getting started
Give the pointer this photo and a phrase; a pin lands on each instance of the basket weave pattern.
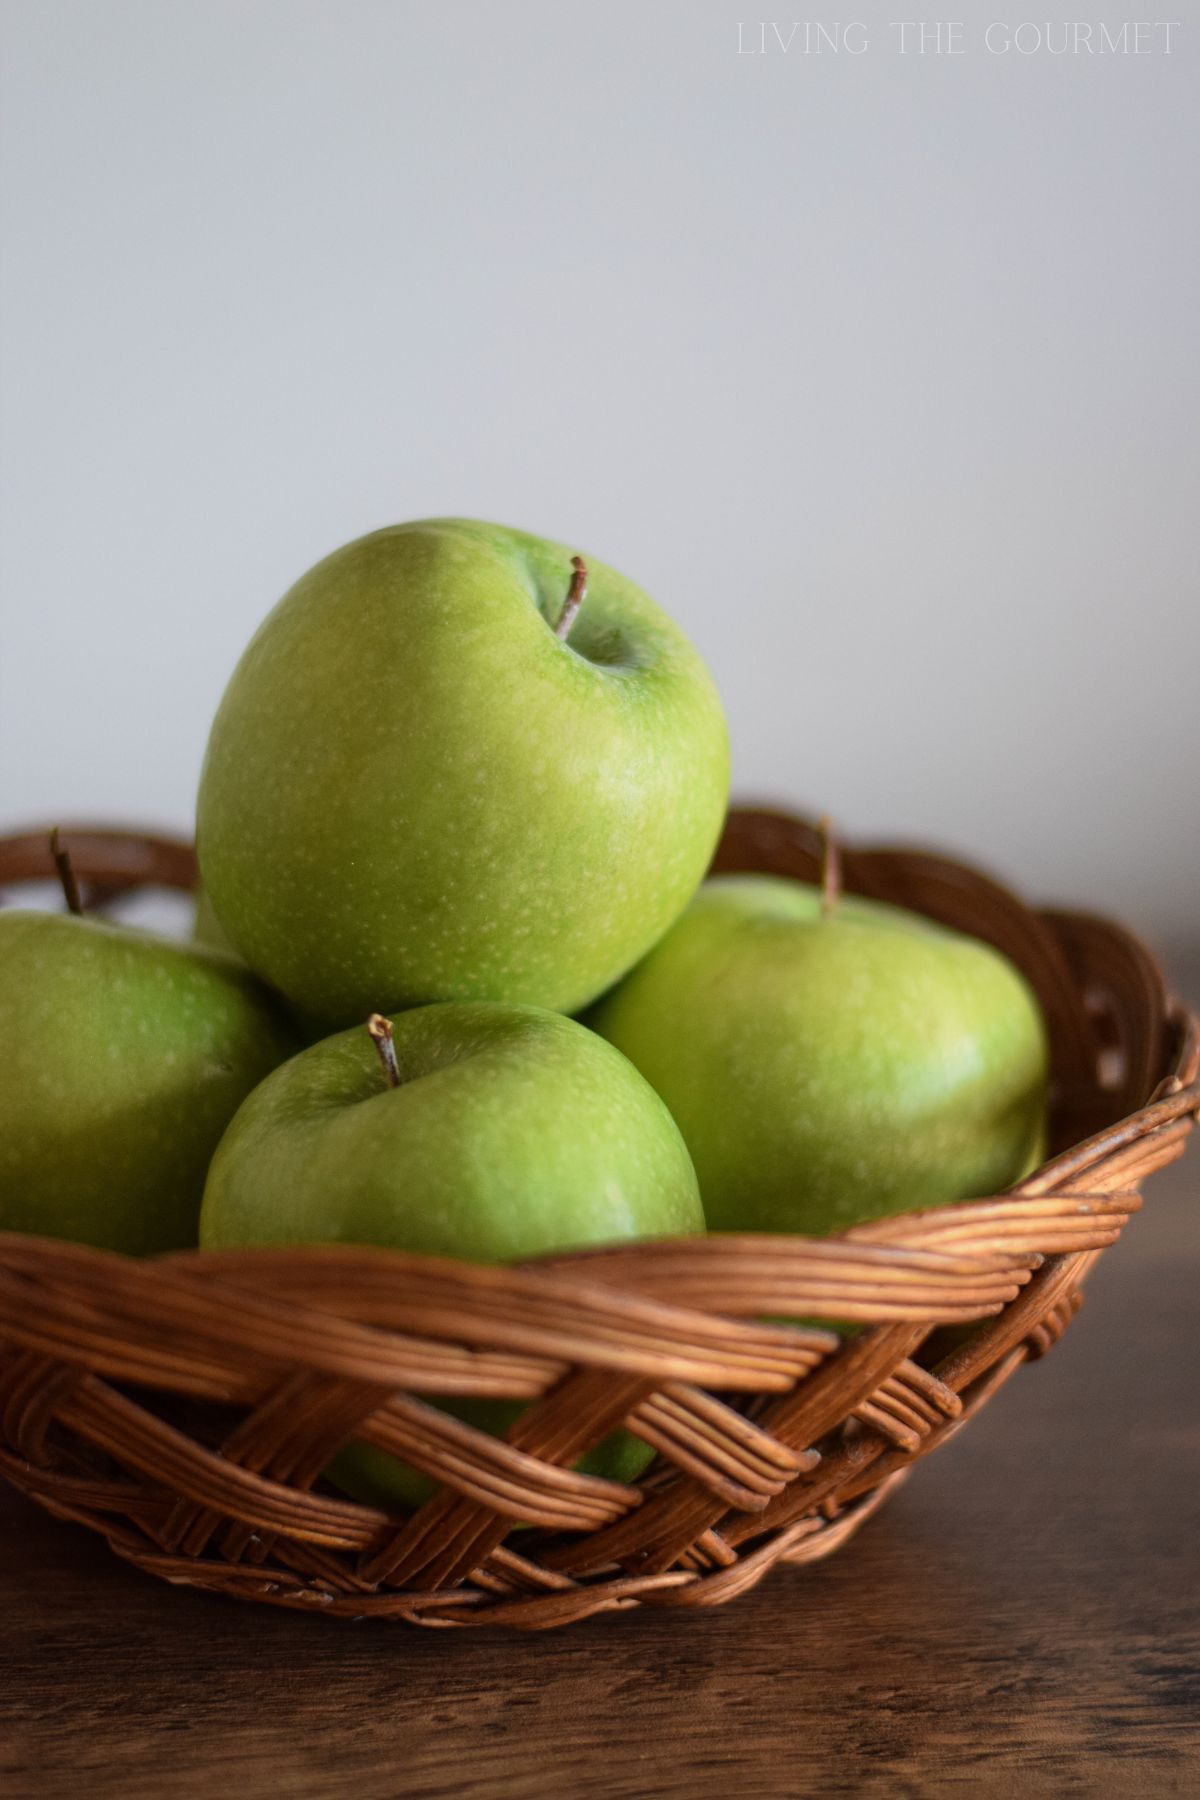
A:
(185, 1407)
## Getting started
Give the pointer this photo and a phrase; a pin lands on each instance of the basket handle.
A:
(110, 860)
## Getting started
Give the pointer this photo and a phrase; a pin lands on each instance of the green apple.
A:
(124, 1057)
(207, 931)
(503, 1132)
(456, 763)
(831, 1066)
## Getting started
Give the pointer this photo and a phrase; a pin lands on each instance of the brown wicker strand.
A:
(186, 1407)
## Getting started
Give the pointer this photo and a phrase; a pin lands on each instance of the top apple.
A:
(424, 782)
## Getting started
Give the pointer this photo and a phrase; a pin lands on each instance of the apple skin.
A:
(207, 932)
(124, 1056)
(415, 791)
(515, 1132)
(825, 1071)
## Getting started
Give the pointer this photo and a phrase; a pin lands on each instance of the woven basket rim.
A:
(774, 1442)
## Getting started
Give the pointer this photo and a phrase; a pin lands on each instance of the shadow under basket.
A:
(185, 1406)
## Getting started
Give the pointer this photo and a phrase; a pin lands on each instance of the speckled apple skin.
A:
(515, 1132)
(414, 791)
(827, 1071)
(122, 1059)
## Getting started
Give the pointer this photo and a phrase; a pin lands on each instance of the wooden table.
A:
(1023, 1618)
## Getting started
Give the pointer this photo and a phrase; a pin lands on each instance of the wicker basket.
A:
(184, 1407)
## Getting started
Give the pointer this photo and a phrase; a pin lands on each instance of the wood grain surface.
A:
(1022, 1619)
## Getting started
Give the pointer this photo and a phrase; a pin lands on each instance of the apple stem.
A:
(381, 1031)
(831, 867)
(575, 598)
(66, 874)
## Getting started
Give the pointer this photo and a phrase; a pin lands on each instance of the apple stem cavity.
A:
(381, 1033)
(66, 874)
(831, 867)
(575, 598)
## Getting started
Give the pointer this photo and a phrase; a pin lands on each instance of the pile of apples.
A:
(459, 984)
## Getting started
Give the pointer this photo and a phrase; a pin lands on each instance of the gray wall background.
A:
(880, 372)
